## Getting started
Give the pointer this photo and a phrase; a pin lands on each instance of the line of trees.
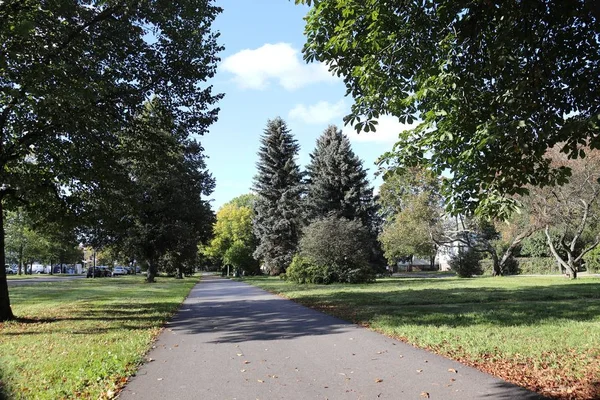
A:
(561, 222)
(99, 102)
(307, 219)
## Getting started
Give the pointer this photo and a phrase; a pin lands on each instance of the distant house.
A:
(413, 263)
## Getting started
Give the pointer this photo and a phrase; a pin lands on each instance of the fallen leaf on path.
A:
(377, 380)
(239, 354)
(260, 381)
(159, 379)
(242, 370)
(419, 370)
(425, 394)
(452, 370)
(246, 362)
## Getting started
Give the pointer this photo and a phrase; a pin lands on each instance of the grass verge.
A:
(542, 333)
(82, 338)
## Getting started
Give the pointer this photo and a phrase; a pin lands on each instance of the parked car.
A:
(119, 271)
(38, 269)
(9, 270)
(94, 272)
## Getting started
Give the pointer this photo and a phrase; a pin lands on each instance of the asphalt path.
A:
(231, 340)
(43, 279)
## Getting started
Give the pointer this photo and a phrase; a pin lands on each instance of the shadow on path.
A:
(260, 316)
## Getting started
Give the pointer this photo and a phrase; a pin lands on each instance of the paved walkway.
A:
(231, 340)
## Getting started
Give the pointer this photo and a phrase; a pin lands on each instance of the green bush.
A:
(592, 261)
(466, 263)
(333, 249)
(302, 270)
(538, 266)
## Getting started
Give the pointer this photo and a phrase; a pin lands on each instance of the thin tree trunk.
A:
(496, 270)
(151, 272)
(21, 259)
(179, 274)
(5, 310)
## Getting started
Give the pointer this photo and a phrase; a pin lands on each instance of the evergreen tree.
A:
(278, 188)
(337, 182)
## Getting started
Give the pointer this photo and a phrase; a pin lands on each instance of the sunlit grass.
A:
(82, 338)
(540, 332)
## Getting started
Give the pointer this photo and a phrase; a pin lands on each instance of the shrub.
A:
(335, 250)
(303, 270)
(511, 267)
(538, 266)
(592, 261)
(466, 263)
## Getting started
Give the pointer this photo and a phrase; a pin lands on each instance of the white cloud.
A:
(388, 128)
(319, 113)
(280, 62)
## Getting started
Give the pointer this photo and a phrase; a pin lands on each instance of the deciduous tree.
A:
(493, 85)
(74, 74)
(234, 242)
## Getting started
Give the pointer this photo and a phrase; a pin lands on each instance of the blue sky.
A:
(263, 76)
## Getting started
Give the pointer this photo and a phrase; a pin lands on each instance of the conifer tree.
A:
(337, 182)
(278, 188)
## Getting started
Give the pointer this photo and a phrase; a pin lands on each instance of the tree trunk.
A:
(21, 259)
(5, 310)
(151, 272)
(179, 274)
(496, 268)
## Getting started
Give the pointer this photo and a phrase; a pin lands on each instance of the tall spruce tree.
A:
(337, 182)
(278, 188)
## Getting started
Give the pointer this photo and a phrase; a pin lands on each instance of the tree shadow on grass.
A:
(4, 390)
(460, 307)
(124, 316)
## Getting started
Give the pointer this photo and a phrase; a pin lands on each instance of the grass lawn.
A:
(539, 332)
(82, 338)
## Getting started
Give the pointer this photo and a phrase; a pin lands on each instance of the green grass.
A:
(539, 332)
(33, 276)
(82, 338)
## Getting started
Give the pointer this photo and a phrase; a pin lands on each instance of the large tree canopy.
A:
(73, 76)
(494, 83)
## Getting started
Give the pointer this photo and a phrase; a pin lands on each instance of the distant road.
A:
(43, 279)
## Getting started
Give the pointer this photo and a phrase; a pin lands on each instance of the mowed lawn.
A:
(82, 338)
(539, 332)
